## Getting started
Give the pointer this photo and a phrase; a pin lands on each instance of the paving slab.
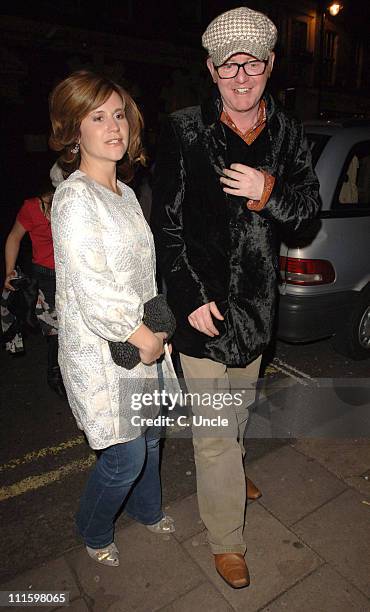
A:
(153, 571)
(53, 576)
(339, 533)
(187, 519)
(78, 605)
(203, 598)
(361, 483)
(276, 558)
(292, 484)
(343, 457)
(323, 591)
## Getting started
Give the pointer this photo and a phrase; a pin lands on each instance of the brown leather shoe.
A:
(233, 569)
(252, 491)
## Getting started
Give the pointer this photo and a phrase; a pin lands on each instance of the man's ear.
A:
(212, 69)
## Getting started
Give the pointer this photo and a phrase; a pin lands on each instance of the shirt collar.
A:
(251, 134)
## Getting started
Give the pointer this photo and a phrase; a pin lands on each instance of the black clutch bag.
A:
(159, 318)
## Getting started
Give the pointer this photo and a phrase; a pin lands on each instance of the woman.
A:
(105, 269)
(34, 217)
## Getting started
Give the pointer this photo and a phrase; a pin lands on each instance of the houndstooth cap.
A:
(241, 30)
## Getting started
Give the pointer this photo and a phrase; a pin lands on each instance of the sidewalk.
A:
(308, 546)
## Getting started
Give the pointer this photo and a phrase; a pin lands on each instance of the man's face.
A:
(241, 93)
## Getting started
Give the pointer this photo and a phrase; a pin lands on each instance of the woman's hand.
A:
(12, 245)
(7, 283)
(154, 350)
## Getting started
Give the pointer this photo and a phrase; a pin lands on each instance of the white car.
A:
(325, 269)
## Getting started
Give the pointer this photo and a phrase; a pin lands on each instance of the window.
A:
(317, 143)
(330, 57)
(299, 37)
(300, 64)
(358, 62)
(354, 184)
(366, 73)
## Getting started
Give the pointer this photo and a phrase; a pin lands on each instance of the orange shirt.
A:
(250, 136)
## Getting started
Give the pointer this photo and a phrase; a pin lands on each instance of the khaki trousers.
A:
(219, 449)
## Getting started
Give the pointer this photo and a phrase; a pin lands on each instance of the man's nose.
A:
(241, 77)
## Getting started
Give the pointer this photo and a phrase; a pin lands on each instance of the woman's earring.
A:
(76, 148)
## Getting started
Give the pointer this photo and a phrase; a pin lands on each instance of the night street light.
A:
(334, 9)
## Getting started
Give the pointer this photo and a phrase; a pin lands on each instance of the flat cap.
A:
(240, 30)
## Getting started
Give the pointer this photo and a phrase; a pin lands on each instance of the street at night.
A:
(217, 155)
(45, 460)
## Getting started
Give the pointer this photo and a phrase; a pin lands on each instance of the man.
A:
(228, 174)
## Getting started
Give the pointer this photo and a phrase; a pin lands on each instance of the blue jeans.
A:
(127, 472)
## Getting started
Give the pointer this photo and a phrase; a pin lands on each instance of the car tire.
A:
(354, 339)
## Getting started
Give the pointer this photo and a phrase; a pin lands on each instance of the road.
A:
(44, 459)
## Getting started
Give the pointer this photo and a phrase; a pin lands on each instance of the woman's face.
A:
(104, 132)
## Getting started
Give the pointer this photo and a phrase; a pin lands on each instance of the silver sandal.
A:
(107, 556)
(165, 525)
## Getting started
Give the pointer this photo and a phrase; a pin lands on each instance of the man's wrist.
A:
(269, 182)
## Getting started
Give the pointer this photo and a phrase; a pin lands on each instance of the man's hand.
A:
(201, 319)
(243, 181)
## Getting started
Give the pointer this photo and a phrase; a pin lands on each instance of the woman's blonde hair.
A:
(69, 103)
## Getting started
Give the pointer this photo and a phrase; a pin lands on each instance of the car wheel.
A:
(354, 340)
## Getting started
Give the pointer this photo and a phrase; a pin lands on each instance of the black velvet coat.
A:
(209, 245)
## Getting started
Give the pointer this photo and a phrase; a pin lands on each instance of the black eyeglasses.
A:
(251, 68)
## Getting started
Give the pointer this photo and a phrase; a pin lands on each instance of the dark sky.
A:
(175, 20)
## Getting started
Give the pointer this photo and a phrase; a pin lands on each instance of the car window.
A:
(317, 143)
(353, 189)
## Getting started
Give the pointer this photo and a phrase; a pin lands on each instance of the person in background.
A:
(34, 217)
(227, 175)
(105, 271)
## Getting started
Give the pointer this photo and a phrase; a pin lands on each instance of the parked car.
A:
(325, 270)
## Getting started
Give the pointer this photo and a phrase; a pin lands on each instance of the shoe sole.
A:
(233, 586)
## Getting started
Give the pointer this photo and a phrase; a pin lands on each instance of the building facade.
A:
(321, 70)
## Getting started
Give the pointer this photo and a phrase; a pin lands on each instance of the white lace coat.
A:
(105, 264)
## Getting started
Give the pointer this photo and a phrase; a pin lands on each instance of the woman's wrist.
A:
(143, 338)
(150, 343)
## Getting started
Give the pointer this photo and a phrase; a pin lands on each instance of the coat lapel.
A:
(214, 132)
(215, 137)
